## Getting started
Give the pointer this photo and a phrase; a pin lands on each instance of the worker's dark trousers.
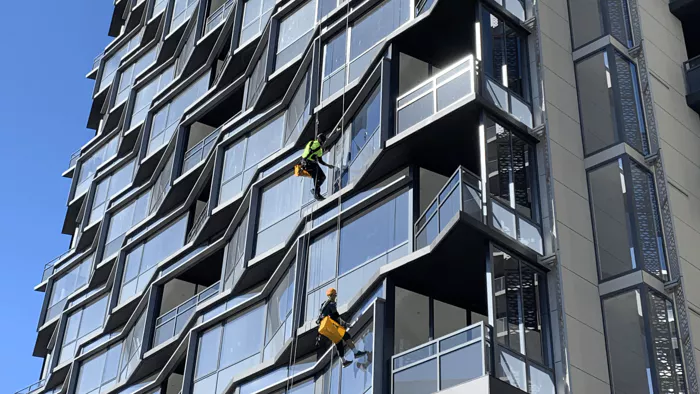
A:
(340, 345)
(316, 173)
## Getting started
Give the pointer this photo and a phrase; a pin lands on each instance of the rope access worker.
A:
(329, 310)
(310, 160)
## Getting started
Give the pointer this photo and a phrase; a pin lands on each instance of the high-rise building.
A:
(512, 203)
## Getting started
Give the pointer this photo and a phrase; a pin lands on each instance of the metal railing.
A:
(218, 16)
(50, 267)
(172, 322)
(468, 353)
(96, 61)
(692, 74)
(435, 94)
(32, 388)
(74, 159)
(198, 224)
(462, 192)
(200, 151)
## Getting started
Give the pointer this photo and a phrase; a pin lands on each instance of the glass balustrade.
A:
(218, 17)
(200, 151)
(32, 388)
(501, 97)
(436, 94)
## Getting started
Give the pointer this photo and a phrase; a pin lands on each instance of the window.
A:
(354, 378)
(99, 373)
(145, 95)
(128, 76)
(294, 33)
(591, 19)
(89, 166)
(256, 81)
(505, 54)
(256, 13)
(66, 285)
(142, 262)
(122, 221)
(185, 54)
(182, 10)
(112, 63)
(639, 364)
(627, 226)
(166, 120)
(235, 252)
(367, 241)
(359, 142)
(108, 188)
(345, 62)
(279, 326)
(242, 158)
(80, 324)
(326, 6)
(227, 350)
(299, 111)
(280, 205)
(510, 175)
(609, 102)
(131, 351)
(519, 306)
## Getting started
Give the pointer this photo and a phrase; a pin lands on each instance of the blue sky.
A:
(48, 47)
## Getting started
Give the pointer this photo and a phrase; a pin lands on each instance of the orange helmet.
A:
(331, 292)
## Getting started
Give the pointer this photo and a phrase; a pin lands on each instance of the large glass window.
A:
(88, 167)
(294, 33)
(639, 364)
(280, 205)
(142, 262)
(591, 19)
(66, 285)
(131, 350)
(228, 349)
(367, 241)
(356, 377)
(80, 324)
(279, 326)
(112, 63)
(242, 158)
(518, 289)
(145, 95)
(122, 221)
(166, 120)
(299, 111)
(510, 175)
(108, 188)
(256, 13)
(345, 61)
(235, 252)
(627, 227)
(256, 80)
(128, 76)
(605, 80)
(99, 373)
(182, 10)
(505, 54)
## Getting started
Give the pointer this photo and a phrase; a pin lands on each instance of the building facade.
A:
(513, 204)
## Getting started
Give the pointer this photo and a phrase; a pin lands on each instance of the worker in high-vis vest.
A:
(334, 328)
(310, 160)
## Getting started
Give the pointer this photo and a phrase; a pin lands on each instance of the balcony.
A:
(200, 151)
(32, 388)
(53, 265)
(171, 323)
(436, 94)
(692, 79)
(463, 193)
(218, 17)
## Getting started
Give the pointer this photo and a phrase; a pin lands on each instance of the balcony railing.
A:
(32, 388)
(461, 193)
(445, 362)
(507, 101)
(200, 151)
(435, 94)
(96, 61)
(74, 159)
(51, 266)
(217, 17)
(171, 323)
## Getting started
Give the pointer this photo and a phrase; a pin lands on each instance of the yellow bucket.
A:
(298, 171)
(330, 329)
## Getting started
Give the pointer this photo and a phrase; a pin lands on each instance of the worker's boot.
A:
(346, 363)
(317, 194)
(360, 353)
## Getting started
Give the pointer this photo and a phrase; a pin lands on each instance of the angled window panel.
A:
(122, 221)
(128, 76)
(256, 14)
(89, 166)
(108, 188)
(299, 111)
(144, 96)
(256, 80)
(80, 324)
(182, 10)
(99, 373)
(66, 285)
(295, 32)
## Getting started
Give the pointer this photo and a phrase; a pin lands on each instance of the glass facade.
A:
(99, 373)
(108, 188)
(128, 76)
(626, 219)
(79, 325)
(591, 19)
(88, 167)
(122, 221)
(295, 33)
(66, 285)
(144, 96)
(256, 14)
